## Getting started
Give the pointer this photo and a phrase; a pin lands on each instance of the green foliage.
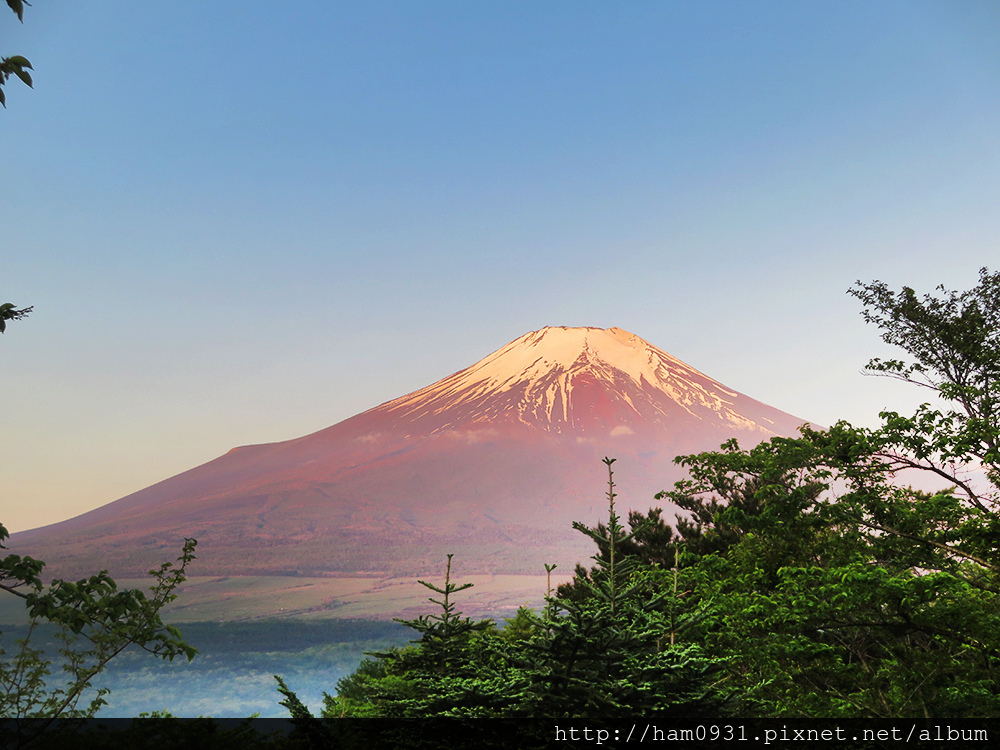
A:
(954, 341)
(829, 588)
(95, 622)
(611, 653)
(802, 579)
(18, 7)
(443, 637)
(523, 626)
(14, 65)
(443, 673)
(818, 611)
(7, 310)
(612, 650)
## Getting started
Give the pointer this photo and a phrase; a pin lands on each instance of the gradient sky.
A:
(243, 221)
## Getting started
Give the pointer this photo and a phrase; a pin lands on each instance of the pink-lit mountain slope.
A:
(492, 463)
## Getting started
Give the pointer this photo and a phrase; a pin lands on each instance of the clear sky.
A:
(243, 221)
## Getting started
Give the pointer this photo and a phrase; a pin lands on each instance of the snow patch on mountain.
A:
(551, 377)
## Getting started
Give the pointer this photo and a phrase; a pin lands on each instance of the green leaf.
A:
(18, 7)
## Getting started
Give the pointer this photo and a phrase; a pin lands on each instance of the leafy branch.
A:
(14, 65)
(95, 622)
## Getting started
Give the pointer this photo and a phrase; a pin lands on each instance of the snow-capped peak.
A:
(534, 356)
(560, 376)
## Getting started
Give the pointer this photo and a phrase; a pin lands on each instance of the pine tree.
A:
(609, 652)
(452, 669)
(443, 637)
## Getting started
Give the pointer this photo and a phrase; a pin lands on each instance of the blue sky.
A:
(241, 222)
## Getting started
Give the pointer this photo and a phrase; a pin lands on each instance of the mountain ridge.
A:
(492, 462)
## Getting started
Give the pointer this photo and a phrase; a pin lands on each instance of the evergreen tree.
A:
(612, 653)
(610, 650)
(444, 637)
(457, 667)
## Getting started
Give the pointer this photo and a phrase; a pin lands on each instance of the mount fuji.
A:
(492, 463)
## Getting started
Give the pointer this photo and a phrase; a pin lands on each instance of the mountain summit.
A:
(492, 463)
(585, 379)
